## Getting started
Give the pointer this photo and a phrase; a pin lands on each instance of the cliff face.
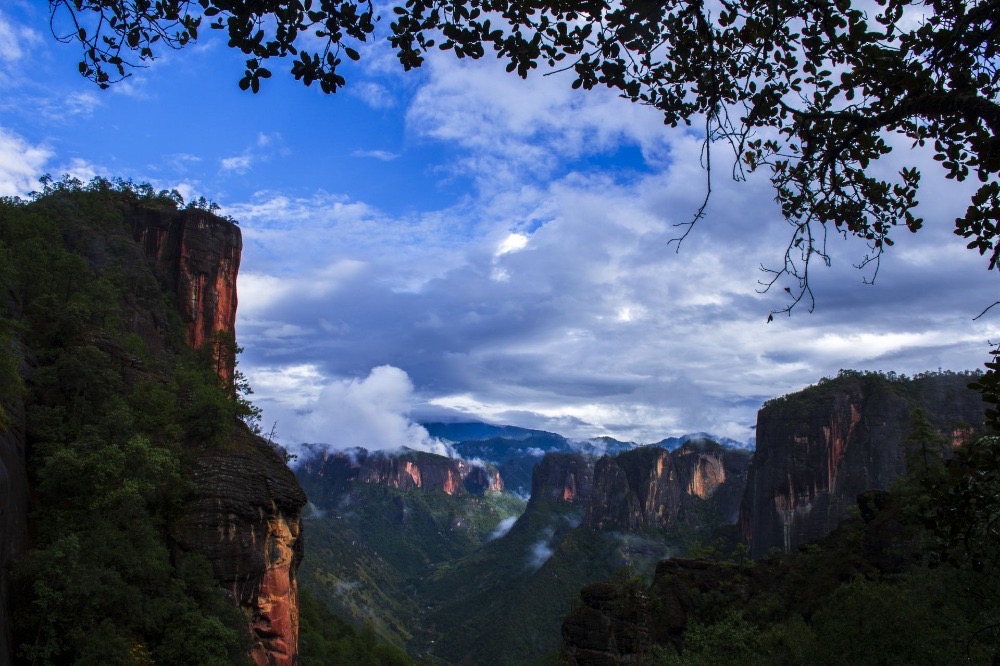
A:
(646, 487)
(819, 449)
(635, 489)
(707, 470)
(563, 477)
(197, 256)
(245, 519)
(245, 516)
(427, 471)
(82, 306)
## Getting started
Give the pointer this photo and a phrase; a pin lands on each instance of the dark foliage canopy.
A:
(813, 91)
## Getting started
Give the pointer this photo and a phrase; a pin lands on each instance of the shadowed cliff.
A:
(819, 448)
(151, 502)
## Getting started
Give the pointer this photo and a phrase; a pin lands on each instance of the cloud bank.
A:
(370, 412)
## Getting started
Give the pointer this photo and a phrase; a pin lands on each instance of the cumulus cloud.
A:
(514, 128)
(565, 308)
(369, 412)
(512, 261)
(21, 163)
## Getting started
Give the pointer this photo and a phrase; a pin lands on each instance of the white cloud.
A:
(564, 307)
(370, 412)
(541, 550)
(21, 164)
(513, 127)
(502, 528)
(512, 243)
(375, 95)
(238, 164)
(263, 149)
(381, 155)
(15, 40)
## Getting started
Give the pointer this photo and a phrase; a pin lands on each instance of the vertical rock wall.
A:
(562, 477)
(197, 256)
(635, 489)
(245, 517)
(819, 449)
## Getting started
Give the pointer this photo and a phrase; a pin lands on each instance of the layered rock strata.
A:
(245, 520)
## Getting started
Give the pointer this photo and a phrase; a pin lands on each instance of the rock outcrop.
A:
(245, 520)
(245, 516)
(708, 470)
(623, 622)
(197, 257)
(244, 513)
(610, 627)
(402, 471)
(563, 477)
(817, 450)
(635, 490)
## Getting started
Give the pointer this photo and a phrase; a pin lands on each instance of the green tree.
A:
(814, 92)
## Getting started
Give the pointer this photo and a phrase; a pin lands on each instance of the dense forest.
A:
(111, 407)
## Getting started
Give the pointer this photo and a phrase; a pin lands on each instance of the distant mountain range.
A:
(515, 451)
(435, 556)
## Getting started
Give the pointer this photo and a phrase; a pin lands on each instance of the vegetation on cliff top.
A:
(115, 408)
(109, 413)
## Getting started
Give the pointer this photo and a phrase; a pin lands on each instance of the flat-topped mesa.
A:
(818, 449)
(197, 256)
(401, 471)
(562, 477)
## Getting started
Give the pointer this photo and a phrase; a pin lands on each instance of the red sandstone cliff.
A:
(245, 520)
(633, 490)
(817, 450)
(402, 471)
(646, 487)
(197, 256)
(245, 516)
(707, 470)
(563, 477)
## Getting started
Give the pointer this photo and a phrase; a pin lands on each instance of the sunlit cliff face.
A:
(199, 256)
(276, 618)
(709, 473)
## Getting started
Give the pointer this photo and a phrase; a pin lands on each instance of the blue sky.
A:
(457, 242)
